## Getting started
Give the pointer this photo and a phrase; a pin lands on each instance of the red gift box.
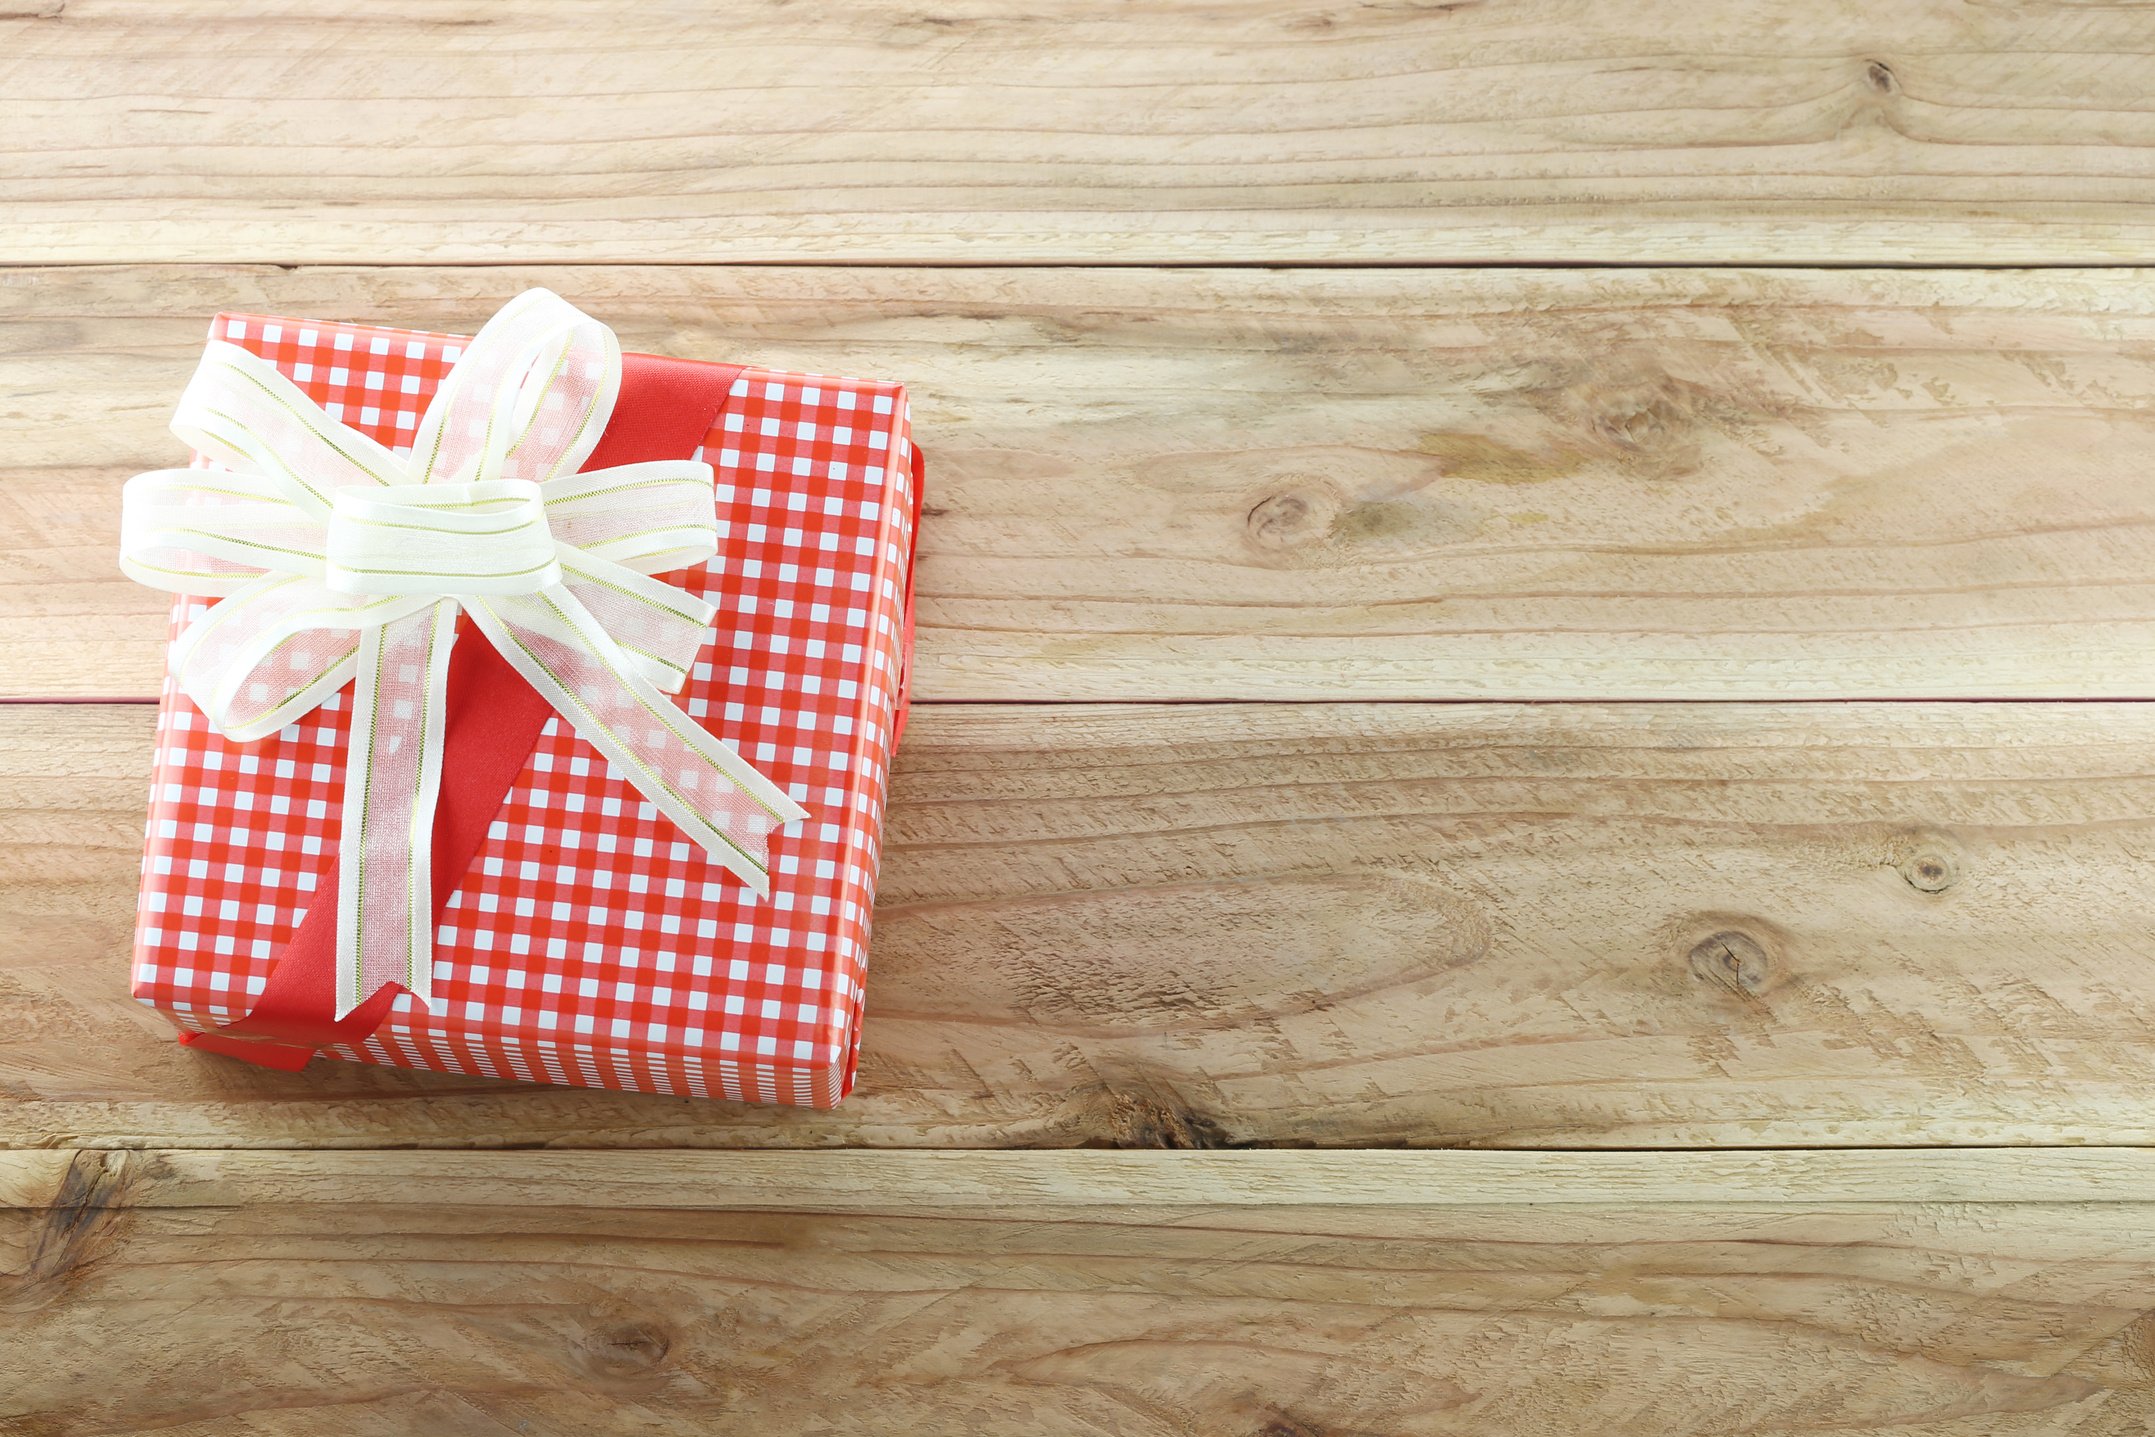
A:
(590, 942)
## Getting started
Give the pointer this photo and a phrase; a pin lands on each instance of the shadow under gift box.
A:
(591, 942)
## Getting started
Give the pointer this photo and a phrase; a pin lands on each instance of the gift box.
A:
(589, 941)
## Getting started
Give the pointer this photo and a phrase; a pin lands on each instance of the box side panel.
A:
(875, 746)
(622, 1070)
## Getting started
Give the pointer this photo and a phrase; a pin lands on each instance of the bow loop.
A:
(246, 415)
(653, 518)
(527, 400)
(340, 561)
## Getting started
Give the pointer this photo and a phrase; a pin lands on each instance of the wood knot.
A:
(1289, 520)
(80, 1225)
(1880, 77)
(1733, 960)
(1134, 1120)
(1930, 872)
(1625, 411)
(625, 1349)
(1926, 858)
(1642, 421)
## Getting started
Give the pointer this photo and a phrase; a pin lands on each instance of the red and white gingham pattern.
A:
(591, 943)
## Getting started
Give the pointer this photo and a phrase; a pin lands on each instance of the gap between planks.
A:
(1589, 265)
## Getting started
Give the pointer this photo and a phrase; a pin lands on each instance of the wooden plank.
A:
(544, 1306)
(1547, 926)
(1230, 484)
(1753, 131)
(868, 1182)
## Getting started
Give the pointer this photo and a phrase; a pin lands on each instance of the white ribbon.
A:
(336, 559)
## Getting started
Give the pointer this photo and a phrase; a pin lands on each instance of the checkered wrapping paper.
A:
(591, 943)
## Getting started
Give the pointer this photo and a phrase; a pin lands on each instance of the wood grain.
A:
(1231, 484)
(1550, 926)
(1754, 131)
(543, 1307)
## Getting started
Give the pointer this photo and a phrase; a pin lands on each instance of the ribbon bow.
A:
(335, 557)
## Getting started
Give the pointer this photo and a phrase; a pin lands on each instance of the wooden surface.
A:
(1237, 484)
(979, 131)
(1769, 1059)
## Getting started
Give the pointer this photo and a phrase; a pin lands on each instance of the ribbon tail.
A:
(707, 789)
(385, 889)
(658, 628)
